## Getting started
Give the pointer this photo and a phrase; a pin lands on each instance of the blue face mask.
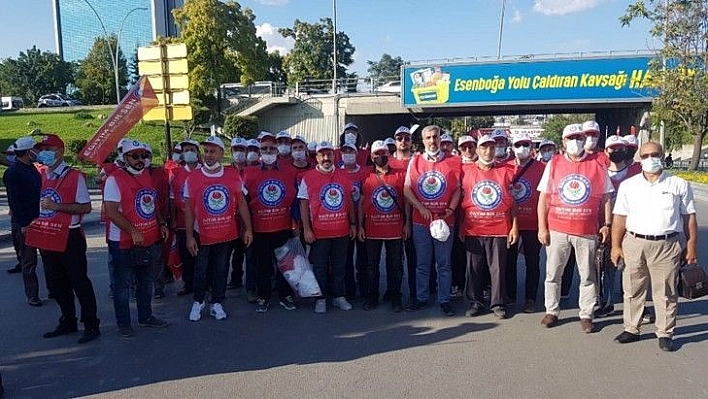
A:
(11, 158)
(46, 157)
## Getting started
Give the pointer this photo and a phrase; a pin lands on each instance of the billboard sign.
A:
(580, 80)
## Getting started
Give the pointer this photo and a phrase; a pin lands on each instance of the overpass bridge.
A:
(613, 86)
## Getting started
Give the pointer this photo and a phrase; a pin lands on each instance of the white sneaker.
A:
(218, 311)
(196, 313)
(341, 302)
(321, 306)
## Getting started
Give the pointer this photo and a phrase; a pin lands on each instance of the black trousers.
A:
(237, 257)
(264, 245)
(329, 258)
(394, 268)
(459, 262)
(355, 270)
(188, 261)
(67, 276)
(532, 251)
(486, 255)
(411, 264)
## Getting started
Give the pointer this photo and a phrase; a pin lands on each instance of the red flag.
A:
(139, 100)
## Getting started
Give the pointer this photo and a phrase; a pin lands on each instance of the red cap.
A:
(50, 140)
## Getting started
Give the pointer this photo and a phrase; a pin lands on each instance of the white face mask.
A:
(238, 156)
(499, 152)
(146, 161)
(433, 154)
(252, 156)
(326, 169)
(591, 142)
(486, 163)
(522, 152)
(350, 138)
(134, 171)
(213, 167)
(651, 165)
(177, 157)
(284, 149)
(547, 155)
(299, 155)
(268, 159)
(190, 156)
(574, 147)
(349, 159)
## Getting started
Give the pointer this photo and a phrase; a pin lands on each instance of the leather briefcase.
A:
(693, 281)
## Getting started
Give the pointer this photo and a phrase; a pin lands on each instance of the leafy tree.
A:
(276, 73)
(35, 73)
(385, 70)
(682, 80)
(133, 73)
(312, 55)
(242, 126)
(95, 79)
(222, 46)
(553, 128)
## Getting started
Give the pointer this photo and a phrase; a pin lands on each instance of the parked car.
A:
(56, 100)
(390, 87)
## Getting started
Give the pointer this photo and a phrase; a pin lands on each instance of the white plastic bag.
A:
(439, 230)
(293, 263)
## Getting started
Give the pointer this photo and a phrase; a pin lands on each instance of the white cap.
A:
(253, 143)
(546, 142)
(591, 126)
(300, 138)
(390, 141)
(573, 129)
(484, 139)
(499, 134)
(378, 145)
(122, 143)
(446, 138)
(522, 137)
(312, 146)
(464, 139)
(238, 142)
(631, 140)
(24, 143)
(439, 230)
(349, 145)
(178, 147)
(615, 141)
(402, 130)
(132, 145)
(265, 134)
(190, 141)
(324, 145)
(350, 126)
(283, 135)
(10, 149)
(215, 140)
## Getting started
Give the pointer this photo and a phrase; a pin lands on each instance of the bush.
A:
(83, 115)
(75, 146)
(242, 126)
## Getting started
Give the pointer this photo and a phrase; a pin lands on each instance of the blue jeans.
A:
(429, 251)
(123, 272)
(216, 257)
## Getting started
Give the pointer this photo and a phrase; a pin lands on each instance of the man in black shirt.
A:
(23, 184)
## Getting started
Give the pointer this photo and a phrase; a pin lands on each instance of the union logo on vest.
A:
(431, 185)
(521, 190)
(216, 199)
(271, 192)
(145, 203)
(54, 195)
(574, 189)
(382, 200)
(332, 196)
(486, 195)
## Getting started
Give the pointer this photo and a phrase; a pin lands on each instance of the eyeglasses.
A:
(652, 155)
(466, 148)
(268, 150)
(135, 157)
(524, 144)
(576, 137)
(403, 138)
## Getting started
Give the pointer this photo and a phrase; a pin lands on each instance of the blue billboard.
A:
(589, 80)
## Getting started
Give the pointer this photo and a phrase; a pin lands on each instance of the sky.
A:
(415, 30)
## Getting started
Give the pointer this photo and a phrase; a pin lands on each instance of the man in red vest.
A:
(527, 175)
(354, 276)
(382, 221)
(160, 182)
(135, 236)
(61, 240)
(488, 226)
(272, 190)
(575, 197)
(329, 223)
(238, 252)
(214, 201)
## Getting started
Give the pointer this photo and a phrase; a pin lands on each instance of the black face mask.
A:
(630, 154)
(618, 156)
(381, 161)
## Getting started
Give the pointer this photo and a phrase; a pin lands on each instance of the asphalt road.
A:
(341, 354)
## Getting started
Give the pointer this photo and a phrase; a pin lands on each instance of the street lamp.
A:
(501, 29)
(334, 47)
(114, 54)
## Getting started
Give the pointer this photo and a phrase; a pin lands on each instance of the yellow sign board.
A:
(178, 50)
(175, 113)
(175, 98)
(166, 68)
(177, 82)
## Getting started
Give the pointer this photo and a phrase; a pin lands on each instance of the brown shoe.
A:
(549, 320)
(587, 326)
(530, 306)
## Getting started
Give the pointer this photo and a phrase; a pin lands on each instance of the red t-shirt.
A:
(433, 184)
(383, 219)
(526, 195)
(329, 196)
(215, 205)
(272, 193)
(138, 202)
(487, 201)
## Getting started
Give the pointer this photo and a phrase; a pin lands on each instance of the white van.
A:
(11, 103)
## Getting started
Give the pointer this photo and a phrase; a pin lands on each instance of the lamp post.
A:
(334, 47)
(114, 54)
(501, 29)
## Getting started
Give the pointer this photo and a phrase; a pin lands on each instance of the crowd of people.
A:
(453, 220)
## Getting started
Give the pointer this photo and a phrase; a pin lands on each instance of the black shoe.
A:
(16, 269)
(36, 302)
(396, 307)
(50, 295)
(447, 309)
(499, 312)
(475, 309)
(666, 344)
(61, 330)
(605, 311)
(626, 337)
(185, 291)
(368, 305)
(417, 305)
(89, 335)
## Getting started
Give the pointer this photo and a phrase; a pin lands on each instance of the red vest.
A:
(357, 178)
(161, 184)
(108, 168)
(300, 172)
(487, 201)
(272, 195)
(575, 195)
(330, 198)
(215, 205)
(398, 165)
(433, 184)
(138, 202)
(525, 193)
(383, 220)
(50, 231)
(180, 176)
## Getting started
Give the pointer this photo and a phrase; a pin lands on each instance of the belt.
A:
(654, 238)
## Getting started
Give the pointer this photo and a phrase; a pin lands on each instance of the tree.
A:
(553, 128)
(312, 55)
(222, 46)
(133, 72)
(387, 69)
(276, 73)
(95, 79)
(35, 73)
(679, 71)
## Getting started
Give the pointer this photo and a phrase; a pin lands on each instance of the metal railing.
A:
(540, 56)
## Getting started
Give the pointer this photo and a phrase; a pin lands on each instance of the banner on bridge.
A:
(583, 80)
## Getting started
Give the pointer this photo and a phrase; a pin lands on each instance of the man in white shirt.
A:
(654, 235)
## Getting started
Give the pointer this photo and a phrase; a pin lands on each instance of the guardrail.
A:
(541, 56)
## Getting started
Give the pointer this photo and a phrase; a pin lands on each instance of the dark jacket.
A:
(23, 183)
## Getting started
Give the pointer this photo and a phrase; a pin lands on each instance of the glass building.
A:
(135, 22)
